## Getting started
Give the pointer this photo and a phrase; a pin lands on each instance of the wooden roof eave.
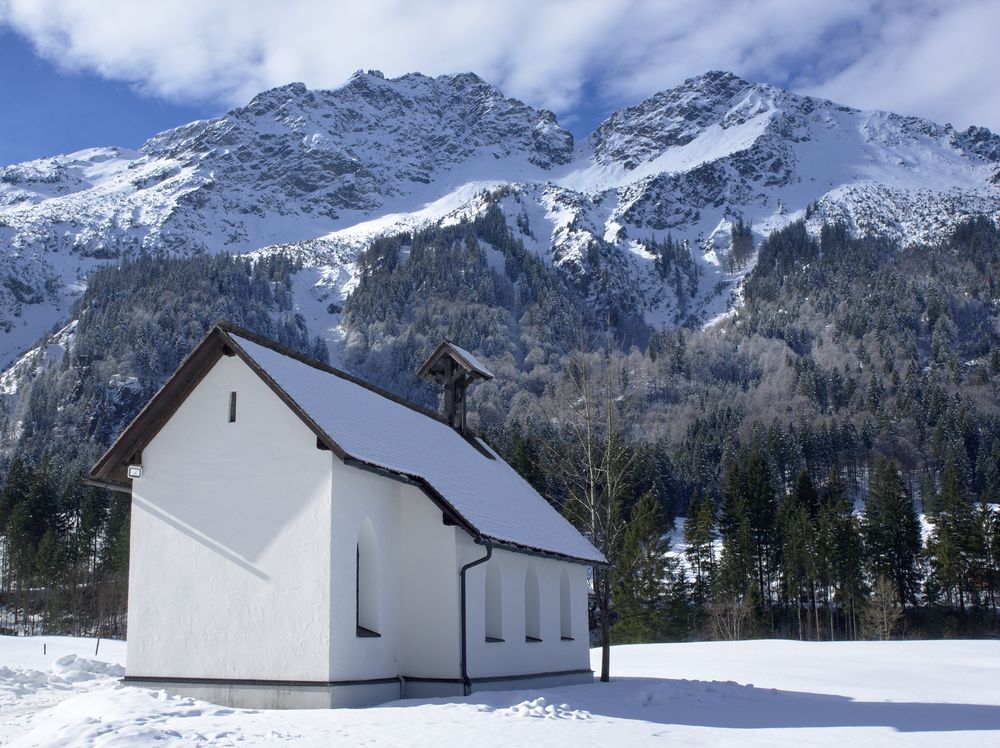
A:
(446, 347)
(528, 550)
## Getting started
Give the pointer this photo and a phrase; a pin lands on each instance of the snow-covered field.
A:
(756, 693)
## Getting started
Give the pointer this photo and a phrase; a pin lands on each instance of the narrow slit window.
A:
(366, 583)
(232, 407)
(532, 629)
(494, 603)
(565, 611)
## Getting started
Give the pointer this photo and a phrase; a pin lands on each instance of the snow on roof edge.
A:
(471, 359)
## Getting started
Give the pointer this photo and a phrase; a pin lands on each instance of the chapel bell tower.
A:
(454, 369)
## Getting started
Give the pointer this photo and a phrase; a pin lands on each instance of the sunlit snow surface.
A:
(754, 693)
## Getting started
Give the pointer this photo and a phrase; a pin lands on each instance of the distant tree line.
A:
(64, 562)
(816, 558)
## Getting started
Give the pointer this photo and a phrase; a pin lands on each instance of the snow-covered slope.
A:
(319, 173)
(752, 693)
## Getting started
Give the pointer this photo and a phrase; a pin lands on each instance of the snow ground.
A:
(754, 693)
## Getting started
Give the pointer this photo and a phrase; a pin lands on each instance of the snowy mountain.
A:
(320, 173)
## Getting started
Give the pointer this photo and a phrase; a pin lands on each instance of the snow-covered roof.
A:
(483, 489)
(473, 366)
(473, 362)
(372, 429)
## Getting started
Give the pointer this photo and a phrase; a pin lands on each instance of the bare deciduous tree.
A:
(882, 614)
(593, 460)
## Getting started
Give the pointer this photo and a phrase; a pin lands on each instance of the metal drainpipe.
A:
(466, 683)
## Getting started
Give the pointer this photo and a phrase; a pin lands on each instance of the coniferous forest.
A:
(823, 464)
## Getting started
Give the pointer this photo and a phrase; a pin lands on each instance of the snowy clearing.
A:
(754, 693)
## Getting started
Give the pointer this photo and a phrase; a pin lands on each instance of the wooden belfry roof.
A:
(371, 429)
(472, 365)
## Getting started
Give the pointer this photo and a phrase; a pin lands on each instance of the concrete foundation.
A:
(304, 695)
(544, 680)
(263, 695)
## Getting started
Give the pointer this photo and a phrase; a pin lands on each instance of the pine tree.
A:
(19, 556)
(639, 578)
(950, 546)
(737, 601)
(993, 533)
(114, 567)
(524, 458)
(43, 508)
(736, 562)
(748, 524)
(808, 498)
(15, 488)
(805, 493)
(798, 557)
(47, 573)
(839, 555)
(762, 508)
(984, 569)
(892, 532)
(699, 541)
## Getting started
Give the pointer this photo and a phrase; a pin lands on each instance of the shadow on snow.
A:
(725, 704)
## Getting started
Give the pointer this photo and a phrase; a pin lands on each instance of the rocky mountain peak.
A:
(669, 118)
(441, 121)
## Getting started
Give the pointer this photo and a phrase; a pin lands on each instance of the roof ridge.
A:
(233, 329)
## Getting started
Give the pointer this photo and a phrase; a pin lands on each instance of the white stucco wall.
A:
(430, 590)
(514, 655)
(417, 583)
(230, 551)
(356, 496)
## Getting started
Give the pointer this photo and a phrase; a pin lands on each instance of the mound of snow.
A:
(74, 669)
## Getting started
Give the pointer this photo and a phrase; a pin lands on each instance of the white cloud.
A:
(915, 56)
(943, 64)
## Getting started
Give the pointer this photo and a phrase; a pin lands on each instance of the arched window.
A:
(565, 617)
(494, 603)
(532, 629)
(366, 581)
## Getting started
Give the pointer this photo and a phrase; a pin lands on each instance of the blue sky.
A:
(80, 73)
(47, 111)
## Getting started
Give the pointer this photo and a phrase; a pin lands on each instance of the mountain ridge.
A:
(322, 172)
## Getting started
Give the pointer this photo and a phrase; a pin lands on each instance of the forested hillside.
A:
(65, 545)
(844, 350)
(853, 368)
